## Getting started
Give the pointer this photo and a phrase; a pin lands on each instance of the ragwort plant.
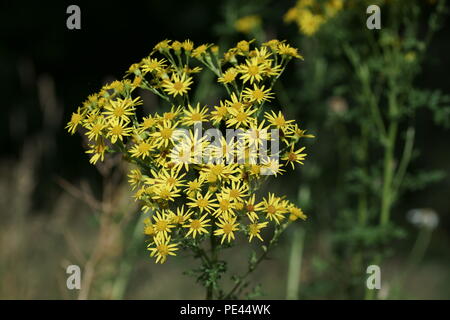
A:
(373, 100)
(197, 167)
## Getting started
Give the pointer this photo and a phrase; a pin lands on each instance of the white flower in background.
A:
(423, 217)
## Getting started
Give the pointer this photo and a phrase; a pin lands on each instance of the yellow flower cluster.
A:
(310, 15)
(186, 196)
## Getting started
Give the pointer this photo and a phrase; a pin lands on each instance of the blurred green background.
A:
(56, 209)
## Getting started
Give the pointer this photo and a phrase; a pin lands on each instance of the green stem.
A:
(295, 264)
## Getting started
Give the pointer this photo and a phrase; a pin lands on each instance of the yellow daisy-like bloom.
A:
(252, 70)
(287, 50)
(227, 226)
(76, 119)
(256, 134)
(149, 228)
(224, 206)
(153, 65)
(202, 202)
(197, 226)
(162, 223)
(296, 213)
(162, 45)
(172, 114)
(251, 208)
(142, 149)
(178, 85)
(241, 118)
(220, 170)
(165, 134)
(135, 178)
(200, 50)
(219, 113)
(228, 76)
(165, 192)
(194, 115)
(194, 187)
(235, 103)
(237, 191)
(118, 130)
(171, 178)
(147, 123)
(187, 45)
(278, 120)
(181, 216)
(294, 156)
(257, 94)
(271, 166)
(254, 230)
(273, 208)
(224, 150)
(121, 109)
(162, 249)
(98, 150)
(309, 22)
(95, 128)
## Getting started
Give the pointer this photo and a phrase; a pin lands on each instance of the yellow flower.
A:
(181, 216)
(200, 50)
(153, 65)
(98, 150)
(256, 134)
(76, 119)
(235, 103)
(95, 128)
(202, 202)
(224, 206)
(254, 230)
(247, 24)
(271, 166)
(294, 156)
(117, 130)
(237, 191)
(162, 45)
(252, 70)
(219, 113)
(309, 22)
(296, 213)
(165, 192)
(287, 50)
(165, 134)
(121, 109)
(227, 226)
(188, 45)
(278, 120)
(171, 178)
(273, 208)
(135, 177)
(228, 76)
(241, 118)
(197, 226)
(163, 249)
(194, 115)
(251, 208)
(257, 94)
(194, 187)
(142, 149)
(162, 224)
(177, 85)
(172, 114)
